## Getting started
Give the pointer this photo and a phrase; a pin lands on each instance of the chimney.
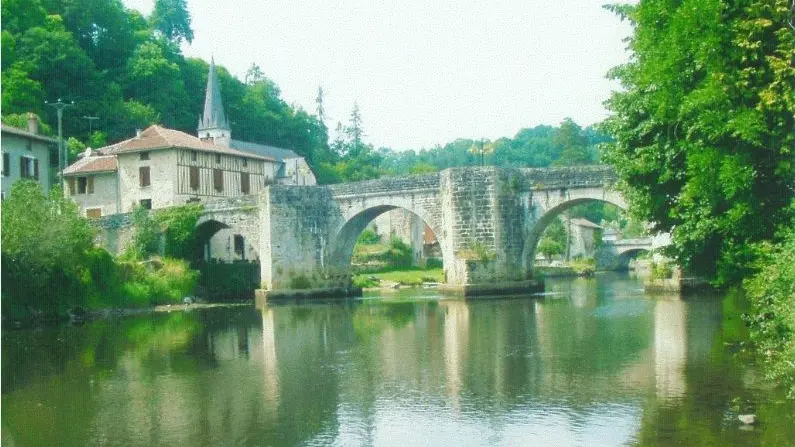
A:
(33, 123)
(137, 133)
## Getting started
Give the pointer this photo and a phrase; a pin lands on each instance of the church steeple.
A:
(213, 124)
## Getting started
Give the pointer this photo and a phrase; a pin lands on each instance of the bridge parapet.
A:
(388, 185)
(569, 177)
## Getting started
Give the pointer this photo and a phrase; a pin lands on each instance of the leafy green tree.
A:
(703, 128)
(573, 143)
(45, 245)
(554, 240)
(172, 19)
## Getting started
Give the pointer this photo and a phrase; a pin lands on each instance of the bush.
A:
(434, 263)
(772, 319)
(369, 237)
(399, 253)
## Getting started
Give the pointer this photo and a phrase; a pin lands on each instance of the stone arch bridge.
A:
(487, 220)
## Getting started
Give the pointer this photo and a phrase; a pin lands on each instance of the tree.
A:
(254, 75)
(172, 19)
(573, 144)
(703, 128)
(321, 110)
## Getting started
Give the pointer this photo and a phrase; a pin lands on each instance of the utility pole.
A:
(91, 120)
(59, 106)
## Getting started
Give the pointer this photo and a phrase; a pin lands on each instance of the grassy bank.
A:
(405, 277)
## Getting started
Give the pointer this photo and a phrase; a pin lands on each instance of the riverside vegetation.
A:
(51, 267)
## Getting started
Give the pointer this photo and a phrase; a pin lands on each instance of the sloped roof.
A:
(274, 152)
(26, 134)
(584, 223)
(157, 137)
(93, 165)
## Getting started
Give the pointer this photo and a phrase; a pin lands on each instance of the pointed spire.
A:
(214, 116)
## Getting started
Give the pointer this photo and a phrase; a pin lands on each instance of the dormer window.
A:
(144, 155)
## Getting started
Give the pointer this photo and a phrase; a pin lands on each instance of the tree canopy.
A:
(703, 128)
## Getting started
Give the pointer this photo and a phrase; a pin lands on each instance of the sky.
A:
(422, 72)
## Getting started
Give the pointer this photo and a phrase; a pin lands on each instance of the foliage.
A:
(703, 128)
(158, 281)
(368, 237)
(554, 240)
(179, 224)
(583, 267)
(772, 318)
(406, 277)
(228, 281)
(45, 250)
(146, 235)
(433, 263)
(172, 20)
(20, 121)
(661, 270)
(399, 253)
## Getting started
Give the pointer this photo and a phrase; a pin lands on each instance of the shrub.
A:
(772, 320)
(434, 263)
(368, 237)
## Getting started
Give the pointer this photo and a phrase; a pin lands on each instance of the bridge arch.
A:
(219, 236)
(356, 221)
(548, 207)
(626, 256)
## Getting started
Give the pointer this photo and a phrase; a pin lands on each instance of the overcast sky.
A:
(423, 72)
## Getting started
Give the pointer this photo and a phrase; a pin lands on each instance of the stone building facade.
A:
(162, 167)
(28, 155)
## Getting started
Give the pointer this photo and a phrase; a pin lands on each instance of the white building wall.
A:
(162, 174)
(104, 196)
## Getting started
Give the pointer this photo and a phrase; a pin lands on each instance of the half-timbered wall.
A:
(260, 173)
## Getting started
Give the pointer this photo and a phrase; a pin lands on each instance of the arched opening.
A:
(627, 259)
(387, 238)
(573, 231)
(228, 261)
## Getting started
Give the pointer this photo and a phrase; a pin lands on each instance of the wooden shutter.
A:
(245, 186)
(91, 184)
(6, 165)
(22, 165)
(143, 176)
(71, 182)
(36, 168)
(194, 177)
(218, 179)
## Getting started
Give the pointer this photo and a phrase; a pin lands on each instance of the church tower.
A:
(213, 125)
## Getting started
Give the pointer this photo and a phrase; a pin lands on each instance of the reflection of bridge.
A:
(488, 222)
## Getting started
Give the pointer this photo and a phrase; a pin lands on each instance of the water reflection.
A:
(593, 363)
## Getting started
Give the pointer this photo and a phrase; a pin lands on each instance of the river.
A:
(591, 362)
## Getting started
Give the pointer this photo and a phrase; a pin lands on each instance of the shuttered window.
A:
(143, 176)
(71, 182)
(6, 165)
(82, 184)
(36, 169)
(91, 185)
(245, 185)
(194, 177)
(218, 179)
(23, 172)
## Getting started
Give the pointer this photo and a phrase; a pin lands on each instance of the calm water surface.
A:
(593, 362)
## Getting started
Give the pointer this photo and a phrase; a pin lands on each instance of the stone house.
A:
(28, 155)
(582, 238)
(162, 167)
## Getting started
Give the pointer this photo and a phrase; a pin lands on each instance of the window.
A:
(28, 167)
(94, 213)
(245, 185)
(6, 165)
(29, 145)
(239, 244)
(245, 162)
(82, 184)
(90, 184)
(146, 204)
(143, 176)
(194, 177)
(194, 156)
(218, 179)
(71, 183)
(144, 155)
(218, 159)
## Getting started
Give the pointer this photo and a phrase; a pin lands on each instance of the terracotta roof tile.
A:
(25, 133)
(105, 163)
(157, 137)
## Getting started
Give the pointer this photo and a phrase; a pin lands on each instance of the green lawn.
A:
(405, 277)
